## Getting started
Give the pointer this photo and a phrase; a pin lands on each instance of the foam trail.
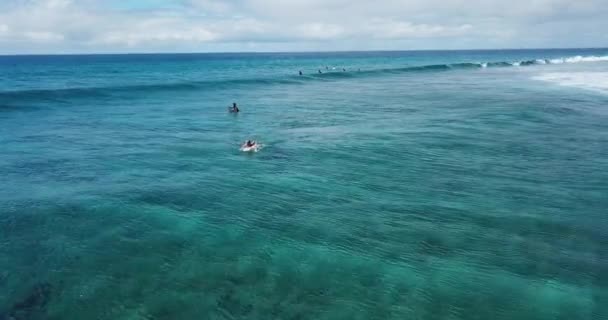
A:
(596, 81)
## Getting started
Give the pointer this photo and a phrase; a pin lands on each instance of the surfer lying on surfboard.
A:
(250, 145)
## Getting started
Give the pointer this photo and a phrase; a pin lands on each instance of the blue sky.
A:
(102, 26)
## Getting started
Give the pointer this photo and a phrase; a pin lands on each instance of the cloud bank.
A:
(87, 26)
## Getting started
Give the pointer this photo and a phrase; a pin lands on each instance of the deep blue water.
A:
(412, 185)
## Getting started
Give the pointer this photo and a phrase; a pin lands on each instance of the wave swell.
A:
(75, 92)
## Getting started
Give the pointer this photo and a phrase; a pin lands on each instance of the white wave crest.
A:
(577, 59)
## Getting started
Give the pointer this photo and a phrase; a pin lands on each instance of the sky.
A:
(133, 26)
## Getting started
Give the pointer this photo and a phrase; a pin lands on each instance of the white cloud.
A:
(319, 31)
(3, 29)
(399, 30)
(43, 36)
(167, 30)
(201, 25)
(133, 39)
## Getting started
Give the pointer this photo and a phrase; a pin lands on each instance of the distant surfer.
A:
(234, 108)
(300, 72)
(320, 71)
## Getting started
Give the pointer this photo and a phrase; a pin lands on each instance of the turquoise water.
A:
(413, 185)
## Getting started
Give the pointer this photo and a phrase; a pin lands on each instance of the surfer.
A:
(234, 108)
(300, 72)
(250, 146)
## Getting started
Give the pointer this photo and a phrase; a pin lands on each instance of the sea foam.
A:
(597, 81)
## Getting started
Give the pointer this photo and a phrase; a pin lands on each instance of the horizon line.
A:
(289, 52)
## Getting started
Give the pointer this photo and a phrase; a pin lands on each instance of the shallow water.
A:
(424, 186)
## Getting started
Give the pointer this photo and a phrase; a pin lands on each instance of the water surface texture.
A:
(393, 185)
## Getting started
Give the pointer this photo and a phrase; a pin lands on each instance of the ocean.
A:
(391, 185)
